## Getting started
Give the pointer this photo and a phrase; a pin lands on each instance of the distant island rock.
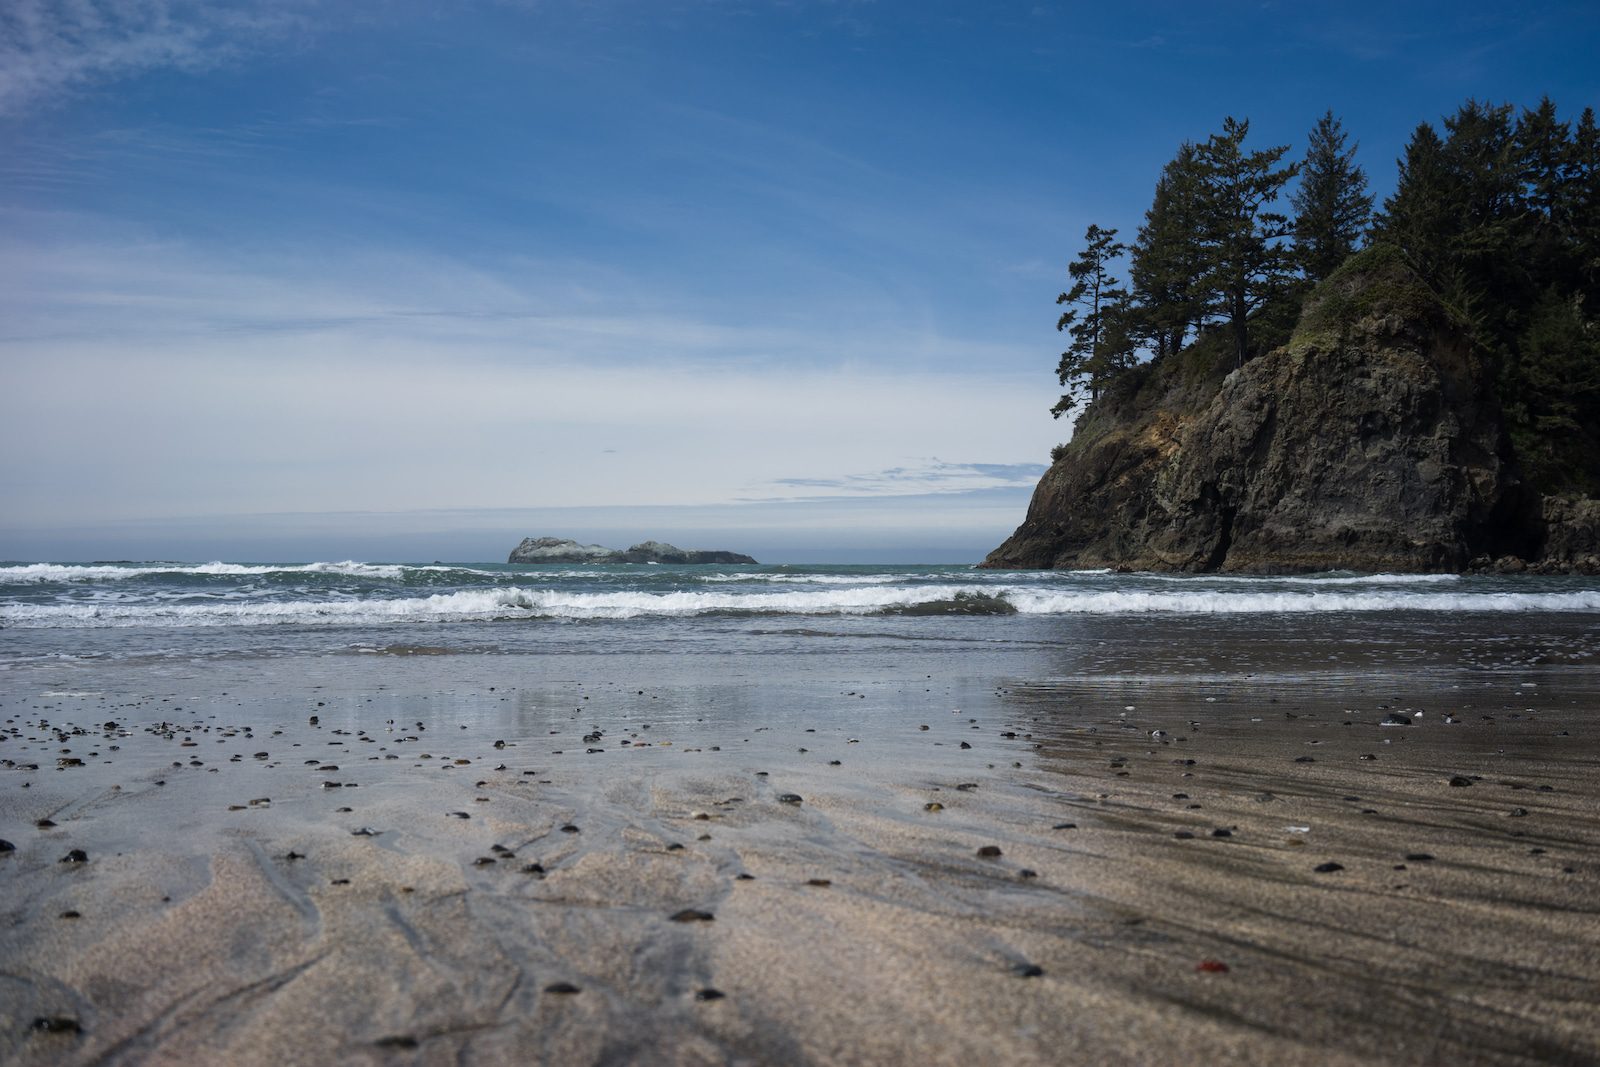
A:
(1372, 441)
(563, 550)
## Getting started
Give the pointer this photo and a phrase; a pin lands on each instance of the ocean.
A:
(1020, 623)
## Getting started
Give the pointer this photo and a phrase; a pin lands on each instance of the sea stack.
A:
(1372, 441)
(561, 550)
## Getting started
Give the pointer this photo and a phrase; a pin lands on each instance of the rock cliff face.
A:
(559, 550)
(1372, 441)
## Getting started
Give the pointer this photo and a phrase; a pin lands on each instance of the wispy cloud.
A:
(49, 48)
(384, 380)
(126, 286)
(923, 477)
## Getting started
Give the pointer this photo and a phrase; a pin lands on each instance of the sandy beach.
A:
(408, 858)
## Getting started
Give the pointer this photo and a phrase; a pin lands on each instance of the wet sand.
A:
(603, 864)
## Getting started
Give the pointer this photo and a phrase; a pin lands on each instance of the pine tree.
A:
(1168, 263)
(1095, 318)
(1247, 263)
(1417, 217)
(1331, 203)
(1544, 163)
(1585, 209)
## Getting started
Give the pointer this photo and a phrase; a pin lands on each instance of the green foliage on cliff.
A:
(1493, 230)
(1501, 218)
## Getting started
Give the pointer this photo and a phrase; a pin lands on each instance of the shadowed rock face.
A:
(1372, 441)
(560, 550)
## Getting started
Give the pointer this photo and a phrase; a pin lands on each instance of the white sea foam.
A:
(1303, 579)
(74, 572)
(812, 579)
(516, 602)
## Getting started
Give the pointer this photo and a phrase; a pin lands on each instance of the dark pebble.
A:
(569, 829)
(44, 824)
(820, 883)
(340, 881)
(57, 1024)
(709, 994)
(1460, 782)
(1221, 832)
(6, 846)
(71, 915)
(533, 868)
(397, 1041)
(483, 861)
(1027, 872)
(1065, 826)
(1418, 857)
(692, 915)
(1304, 759)
(744, 877)
(1328, 868)
(989, 852)
(1027, 970)
(1184, 835)
(564, 988)
(790, 798)
(965, 745)
(77, 855)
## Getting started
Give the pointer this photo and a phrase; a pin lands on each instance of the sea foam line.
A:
(512, 603)
(75, 572)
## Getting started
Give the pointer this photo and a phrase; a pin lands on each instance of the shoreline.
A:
(198, 938)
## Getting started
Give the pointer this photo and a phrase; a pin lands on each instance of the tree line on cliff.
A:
(1498, 214)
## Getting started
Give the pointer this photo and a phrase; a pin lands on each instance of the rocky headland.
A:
(562, 550)
(1373, 440)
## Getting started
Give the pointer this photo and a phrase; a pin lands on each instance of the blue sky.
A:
(405, 279)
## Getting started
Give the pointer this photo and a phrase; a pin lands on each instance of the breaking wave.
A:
(101, 572)
(524, 603)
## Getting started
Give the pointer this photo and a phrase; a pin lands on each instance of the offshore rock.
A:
(1372, 441)
(560, 550)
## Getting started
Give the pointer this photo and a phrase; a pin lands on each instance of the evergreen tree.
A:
(1168, 263)
(1095, 318)
(1585, 210)
(1544, 162)
(1246, 262)
(1417, 218)
(1331, 204)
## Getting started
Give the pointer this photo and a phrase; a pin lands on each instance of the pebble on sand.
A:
(57, 1024)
